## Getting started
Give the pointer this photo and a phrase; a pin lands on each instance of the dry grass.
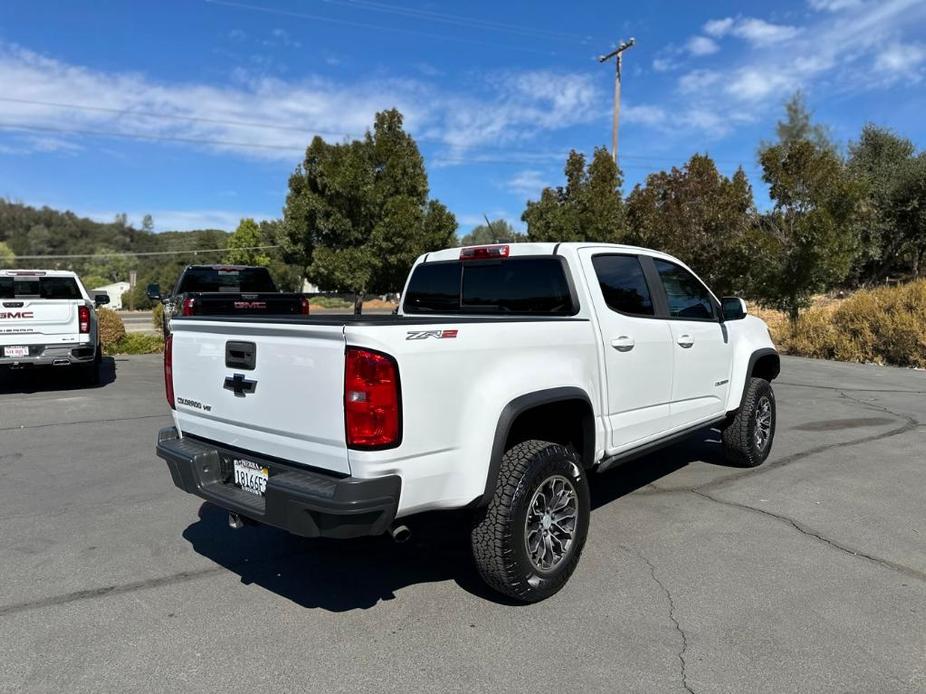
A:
(886, 325)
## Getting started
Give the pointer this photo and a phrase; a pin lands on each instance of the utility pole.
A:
(617, 54)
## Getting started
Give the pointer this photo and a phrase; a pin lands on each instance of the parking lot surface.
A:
(805, 575)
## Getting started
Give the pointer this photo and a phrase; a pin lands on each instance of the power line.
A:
(143, 136)
(194, 251)
(366, 25)
(528, 158)
(458, 20)
(172, 116)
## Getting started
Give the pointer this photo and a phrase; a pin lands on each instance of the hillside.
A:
(44, 231)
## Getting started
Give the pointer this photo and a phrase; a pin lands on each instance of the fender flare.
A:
(518, 406)
(755, 357)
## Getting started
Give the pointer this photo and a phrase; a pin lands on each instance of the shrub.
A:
(137, 343)
(886, 325)
(330, 302)
(112, 329)
(157, 317)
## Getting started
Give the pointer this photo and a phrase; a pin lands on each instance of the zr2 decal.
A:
(425, 334)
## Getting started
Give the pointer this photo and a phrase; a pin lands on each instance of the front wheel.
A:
(747, 438)
(528, 541)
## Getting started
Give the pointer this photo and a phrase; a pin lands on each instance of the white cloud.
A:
(718, 27)
(269, 117)
(644, 114)
(529, 183)
(755, 31)
(701, 45)
(832, 54)
(833, 5)
(900, 58)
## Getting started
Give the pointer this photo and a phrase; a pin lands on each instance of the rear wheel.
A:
(528, 541)
(90, 373)
(747, 438)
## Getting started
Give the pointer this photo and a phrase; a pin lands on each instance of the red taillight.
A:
(189, 306)
(169, 370)
(304, 305)
(480, 252)
(83, 318)
(372, 407)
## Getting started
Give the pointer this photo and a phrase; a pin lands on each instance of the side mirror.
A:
(154, 292)
(100, 299)
(734, 308)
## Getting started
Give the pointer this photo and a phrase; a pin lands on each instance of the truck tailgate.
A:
(38, 317)
(278, 392)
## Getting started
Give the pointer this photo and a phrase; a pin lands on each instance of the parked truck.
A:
(511, 375)
(226, 290)
(47, 318)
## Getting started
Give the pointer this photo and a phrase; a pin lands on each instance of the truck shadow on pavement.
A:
(48, 379)
(344, 575)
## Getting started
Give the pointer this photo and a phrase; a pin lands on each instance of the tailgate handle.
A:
(240, 355)
(12, 304)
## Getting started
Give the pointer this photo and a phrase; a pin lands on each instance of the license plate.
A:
(250, 476)
(15, 351)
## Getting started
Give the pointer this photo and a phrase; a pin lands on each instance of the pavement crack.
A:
(23, 427)
(854, 390)
(909, 425)
(672, 616)
(809, 532)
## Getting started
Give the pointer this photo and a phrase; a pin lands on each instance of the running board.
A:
(638, 452)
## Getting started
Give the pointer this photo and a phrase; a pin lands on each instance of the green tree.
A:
(498, 231)
(811, 235)
(588, 208)
(241, 247)
(358, 214)
(890, 169)
(147, 223)
(798, 125)
(910, 210)
(7, 257)
(700, 216)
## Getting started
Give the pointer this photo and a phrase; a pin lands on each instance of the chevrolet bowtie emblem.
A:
(240, 385)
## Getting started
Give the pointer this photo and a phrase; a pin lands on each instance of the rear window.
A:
(237, 280)
(39, 287)
(514, 286)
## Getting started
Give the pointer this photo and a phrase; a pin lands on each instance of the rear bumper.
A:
(62, 354)
(304, 502)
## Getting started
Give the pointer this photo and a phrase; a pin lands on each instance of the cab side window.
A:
(623, 284)
(687, 297)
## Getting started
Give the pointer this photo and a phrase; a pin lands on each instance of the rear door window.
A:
(236, 280)
(39, 288)
(688, 298)
(513, 286)
(623, 284)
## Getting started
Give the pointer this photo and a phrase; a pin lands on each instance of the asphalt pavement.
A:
(805, 575)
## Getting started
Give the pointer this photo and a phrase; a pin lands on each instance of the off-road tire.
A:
(498, 534)
(740, 446)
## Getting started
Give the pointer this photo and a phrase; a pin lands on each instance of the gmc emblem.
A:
(17, 315)
(250, 304)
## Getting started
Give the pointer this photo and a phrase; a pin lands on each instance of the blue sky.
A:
(196, 112)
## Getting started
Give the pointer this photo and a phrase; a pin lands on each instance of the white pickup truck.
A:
(508, 375)
(47, 318)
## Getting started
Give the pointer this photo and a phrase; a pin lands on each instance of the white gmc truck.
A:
(508, 376)
(47, 318)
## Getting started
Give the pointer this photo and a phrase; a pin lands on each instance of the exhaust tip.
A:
(400, 533)
(60, 362)
(235, 522)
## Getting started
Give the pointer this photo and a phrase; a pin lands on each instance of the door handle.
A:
(685, 341)
(622, 343)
